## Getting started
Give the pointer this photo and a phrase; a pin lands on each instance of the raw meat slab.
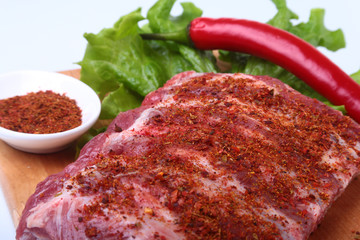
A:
(209, 156)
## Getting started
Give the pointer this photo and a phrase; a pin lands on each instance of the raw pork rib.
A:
(208, 156)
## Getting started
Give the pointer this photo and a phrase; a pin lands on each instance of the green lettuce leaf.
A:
(123, 68)
(120, 100)
(356, 76)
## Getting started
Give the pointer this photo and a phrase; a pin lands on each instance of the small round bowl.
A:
(24, 82)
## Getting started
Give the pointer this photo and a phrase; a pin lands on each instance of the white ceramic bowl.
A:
(23, 82)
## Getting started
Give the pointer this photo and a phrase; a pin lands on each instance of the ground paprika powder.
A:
(39, 112)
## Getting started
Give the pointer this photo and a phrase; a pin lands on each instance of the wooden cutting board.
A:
(20, 172)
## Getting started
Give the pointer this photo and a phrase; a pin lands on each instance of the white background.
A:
(48, 35)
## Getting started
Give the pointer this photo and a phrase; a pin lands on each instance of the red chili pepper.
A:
(278, 46)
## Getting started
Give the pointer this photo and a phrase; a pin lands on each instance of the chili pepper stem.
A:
(179, 37)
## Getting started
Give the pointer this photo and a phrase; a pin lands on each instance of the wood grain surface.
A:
(20, 172)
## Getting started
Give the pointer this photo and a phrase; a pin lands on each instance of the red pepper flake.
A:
(158, 236)
(40, 113)
(149, 211)
(357, 234)
(324, 196)
(91, 232)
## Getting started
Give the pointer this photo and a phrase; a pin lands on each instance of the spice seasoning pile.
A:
(40, 113)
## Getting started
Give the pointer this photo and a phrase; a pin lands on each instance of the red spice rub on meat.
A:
(208, 156)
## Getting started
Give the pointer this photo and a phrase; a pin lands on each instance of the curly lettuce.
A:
(123, 68)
